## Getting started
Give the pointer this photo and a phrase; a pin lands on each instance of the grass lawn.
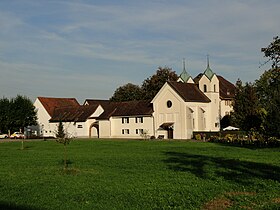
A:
(125, 174)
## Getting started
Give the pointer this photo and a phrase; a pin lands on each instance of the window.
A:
(227, 102)
(205, 88)
(125, 131)
(193, 123)
(169, 103)
(80, 126)
(125, 120)
(214, 88)
(139, 131)
(138, 119)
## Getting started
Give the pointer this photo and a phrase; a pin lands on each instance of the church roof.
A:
(184, 76)
(189, 92)
(227, 89)
(208, 71)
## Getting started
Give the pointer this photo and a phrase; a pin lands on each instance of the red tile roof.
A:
(50, 104)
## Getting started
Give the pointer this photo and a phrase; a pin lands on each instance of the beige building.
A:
(178, 109)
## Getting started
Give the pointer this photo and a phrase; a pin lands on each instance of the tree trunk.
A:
(65, 157)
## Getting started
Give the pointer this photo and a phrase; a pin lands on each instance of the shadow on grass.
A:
(12, 206)
(206, 167)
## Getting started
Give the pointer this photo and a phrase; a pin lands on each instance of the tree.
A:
(17, 113)
(24, 113)
(153, 84)
(268, 90)
(63, 138)
(128, 92)
(149, 88)
(4, 115)
(272, 51)
(226, 121)
(247, 113)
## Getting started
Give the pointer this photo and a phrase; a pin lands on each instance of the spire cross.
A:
(207, 60)
(184, 64)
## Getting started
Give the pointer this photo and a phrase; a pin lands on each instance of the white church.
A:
(178, 109)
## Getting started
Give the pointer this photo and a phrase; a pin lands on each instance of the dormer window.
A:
(205, 88)
(228, 93)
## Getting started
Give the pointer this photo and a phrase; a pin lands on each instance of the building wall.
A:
(164, 113)
(211, 89)
(131, 126)
(226, 107)
(44, 128)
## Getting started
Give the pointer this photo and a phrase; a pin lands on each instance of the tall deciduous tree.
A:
(17, 113)
(4, 115)
(247, 113)
(272, 52)
(268, 90)
(153, 84)
(128, 92)
(149, 88)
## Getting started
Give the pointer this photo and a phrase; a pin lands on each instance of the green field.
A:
(125, 174)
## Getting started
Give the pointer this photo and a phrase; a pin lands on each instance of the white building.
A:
(178, 109)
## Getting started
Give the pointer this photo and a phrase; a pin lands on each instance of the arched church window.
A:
(205, 88)
(214, 88)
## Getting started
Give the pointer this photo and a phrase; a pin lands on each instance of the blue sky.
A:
(87, 48)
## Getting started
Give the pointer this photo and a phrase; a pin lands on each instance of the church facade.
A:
(178, 109)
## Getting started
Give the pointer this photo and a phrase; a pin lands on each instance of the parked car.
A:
(17, 135)
(3, 136)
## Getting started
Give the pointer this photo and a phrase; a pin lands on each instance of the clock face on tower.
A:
(169, 104)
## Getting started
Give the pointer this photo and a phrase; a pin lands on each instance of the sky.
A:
(88, 48)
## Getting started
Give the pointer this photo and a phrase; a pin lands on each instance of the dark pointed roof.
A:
(184, 76)
(208, 71)
(189, 92)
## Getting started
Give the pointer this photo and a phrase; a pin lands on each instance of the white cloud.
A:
(90, 44)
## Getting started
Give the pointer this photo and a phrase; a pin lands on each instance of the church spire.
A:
(184, 76)
(208, 72)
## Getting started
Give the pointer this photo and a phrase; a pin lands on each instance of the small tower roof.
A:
(208, 71)
(184, 75)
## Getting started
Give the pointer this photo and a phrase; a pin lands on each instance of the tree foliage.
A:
(272, 51)
(17, 113)
(268, 90)
(149, 88)
(128, 92)
(153, 84)
(247, 113)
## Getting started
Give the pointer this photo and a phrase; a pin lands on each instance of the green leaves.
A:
(149, 88)
(17, 113)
